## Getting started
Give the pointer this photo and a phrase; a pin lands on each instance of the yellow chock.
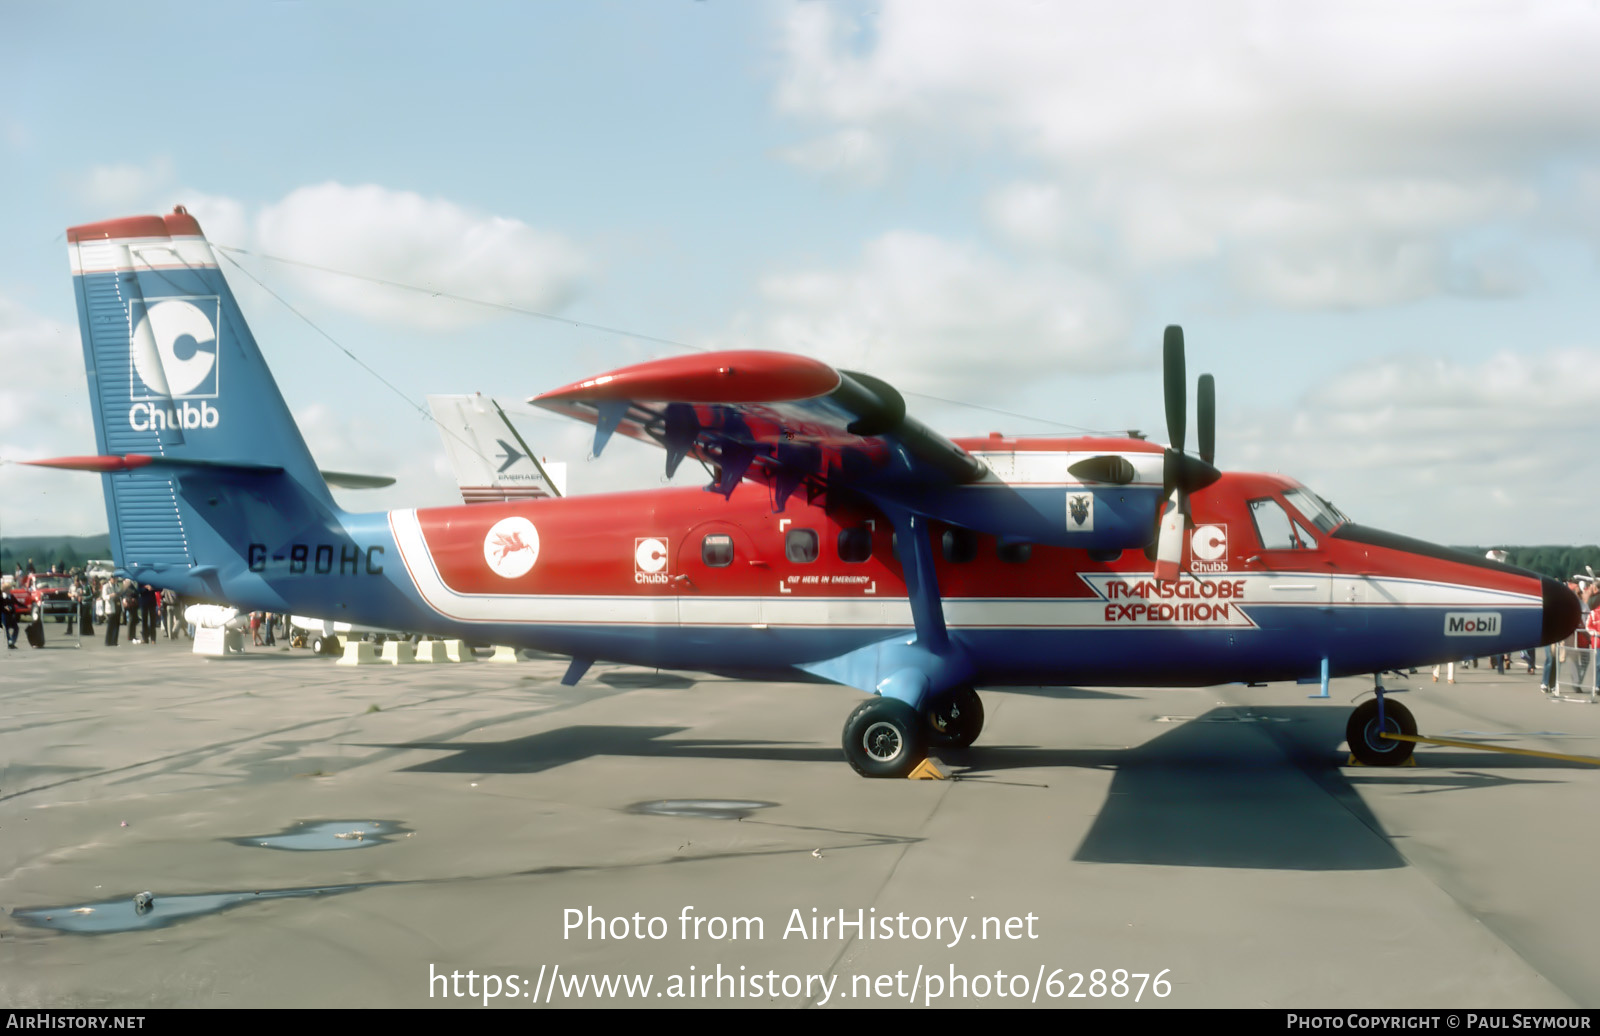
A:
(928, 770)
(1353, 761)
(502, 653)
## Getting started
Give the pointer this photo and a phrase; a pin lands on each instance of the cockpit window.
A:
(1276, 530)
(1318, 511)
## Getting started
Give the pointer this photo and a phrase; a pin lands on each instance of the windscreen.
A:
(1318, 511)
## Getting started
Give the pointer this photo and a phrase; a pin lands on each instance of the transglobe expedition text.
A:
(1454, 1020)
(857, 924)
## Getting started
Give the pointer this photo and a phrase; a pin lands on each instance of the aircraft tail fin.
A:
(490, 460)
(181, 394)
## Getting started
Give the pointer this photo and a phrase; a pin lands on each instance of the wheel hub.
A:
(1375, 739)
(882, 741)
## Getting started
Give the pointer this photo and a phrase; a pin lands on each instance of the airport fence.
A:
(1574, 665)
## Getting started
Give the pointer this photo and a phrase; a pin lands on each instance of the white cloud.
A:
(1293, 144)
(126, 185)
(1496, 451)
(1336, 84)
(854, 156)
(937, 316)
(431, 243)
(44, 412)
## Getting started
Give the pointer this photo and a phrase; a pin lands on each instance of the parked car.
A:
(52, 597)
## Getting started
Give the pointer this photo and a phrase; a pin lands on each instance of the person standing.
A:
(113, 606)
(8, 618)
(130, 609)
(84, 591)
(172, 613)
(147, 613)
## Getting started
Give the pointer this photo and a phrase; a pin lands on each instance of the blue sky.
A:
(1378, 225)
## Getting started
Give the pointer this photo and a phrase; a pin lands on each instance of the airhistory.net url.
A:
(924, 986)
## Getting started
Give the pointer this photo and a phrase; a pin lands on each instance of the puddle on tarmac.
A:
(708, 809)
(125, 914)
(323, 835)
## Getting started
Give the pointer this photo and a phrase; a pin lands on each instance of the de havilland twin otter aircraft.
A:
(839, 537)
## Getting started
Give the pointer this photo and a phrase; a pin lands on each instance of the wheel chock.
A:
(432, 651)
(1353, 761)
(502, 653)
(927, 770)
(358, 652)
(399, 652)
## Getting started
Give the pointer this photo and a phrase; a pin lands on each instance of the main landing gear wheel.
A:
(884, 737)
(326, 645)
(1362, 733)
(956, 719)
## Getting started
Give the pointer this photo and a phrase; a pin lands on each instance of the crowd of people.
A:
(104, 600)
(1583, 642)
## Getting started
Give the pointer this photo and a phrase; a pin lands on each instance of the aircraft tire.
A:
(884, 737)
(1362, 733)
(319, 646)
(332, 645)
(956, 719)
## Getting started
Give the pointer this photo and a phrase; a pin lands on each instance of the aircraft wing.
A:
(789, 422)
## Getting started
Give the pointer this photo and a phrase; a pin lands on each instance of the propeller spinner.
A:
(1182, 474)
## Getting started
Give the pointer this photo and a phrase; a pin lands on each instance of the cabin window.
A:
(1015, 553)
(960, 545)
(1276, 529)
(800, 546)
(716, 550)
(855, 545)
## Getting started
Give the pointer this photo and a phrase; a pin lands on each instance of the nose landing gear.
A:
(1365, 726)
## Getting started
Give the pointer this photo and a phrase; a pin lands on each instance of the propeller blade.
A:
(1205, 416)
(1174, 384)
(1169, 546)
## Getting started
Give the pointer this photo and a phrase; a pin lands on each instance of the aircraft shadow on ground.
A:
(646, 680)
(1233, 787)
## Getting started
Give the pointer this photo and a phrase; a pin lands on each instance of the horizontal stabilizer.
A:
(131, 461)
(345, 480)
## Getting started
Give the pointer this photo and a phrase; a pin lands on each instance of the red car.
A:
(48, 595)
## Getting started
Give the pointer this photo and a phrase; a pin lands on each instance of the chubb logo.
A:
(173, 357)
(1209, 545)
(649, 560)
(1471, 624)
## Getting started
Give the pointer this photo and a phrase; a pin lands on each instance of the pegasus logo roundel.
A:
(511, 547)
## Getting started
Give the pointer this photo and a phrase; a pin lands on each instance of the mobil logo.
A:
(1471, 624)
(173, 352)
